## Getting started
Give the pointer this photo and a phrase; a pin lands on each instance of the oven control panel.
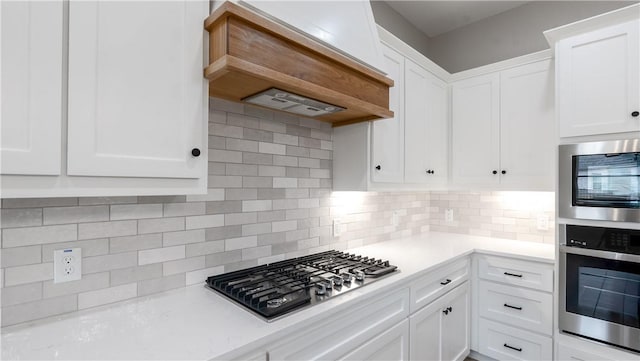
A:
(605, 239)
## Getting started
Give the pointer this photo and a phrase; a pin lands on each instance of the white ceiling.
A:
(437, 17)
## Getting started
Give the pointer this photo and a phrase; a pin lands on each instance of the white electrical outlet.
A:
(448, 215)
(395, 219)
(543, 222)
(67, 265)
(337, 227)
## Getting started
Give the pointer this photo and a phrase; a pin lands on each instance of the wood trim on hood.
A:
(249, 53)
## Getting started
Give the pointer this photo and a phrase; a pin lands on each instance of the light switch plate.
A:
(67, 265)
(448, 215)
(337, 227)
(395, 219)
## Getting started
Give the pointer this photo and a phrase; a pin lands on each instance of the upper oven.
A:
(600, 181)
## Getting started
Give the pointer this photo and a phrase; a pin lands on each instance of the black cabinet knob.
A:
(433, 172)
(429, 171)
(504, 171)
(635, 113)
(495, 172)
(195, 152)
(378, 167)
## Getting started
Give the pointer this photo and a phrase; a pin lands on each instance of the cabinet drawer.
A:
(426, 289)
(504, 342)
(391, 345)
(331, 337)
(520, 307)
(516, 272)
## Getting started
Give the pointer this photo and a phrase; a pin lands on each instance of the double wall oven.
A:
(600, 265)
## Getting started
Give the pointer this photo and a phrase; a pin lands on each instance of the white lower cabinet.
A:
(440, 331)
(572, 348)
(345, 332)
(391, 345)
(504, 342)
(513, 308)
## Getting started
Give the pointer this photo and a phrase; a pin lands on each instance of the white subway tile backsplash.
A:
(207, 221)
(156, 225)
(91, 247)
(81, 214)
(21, 294)
(27, 274)
(133, 243)
(107, 229)
(20, 256)
(200, 276)
(135, 211)
(161, 284)
(257, 205)
(182, 265)
(240, 243)
(22, 217)
(106, 296)
(183, 237)
(109, 262)
(17, 237)
(38, 309)
(88, 282)
(161, 255)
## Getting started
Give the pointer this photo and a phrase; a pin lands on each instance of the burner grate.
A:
(275, 289)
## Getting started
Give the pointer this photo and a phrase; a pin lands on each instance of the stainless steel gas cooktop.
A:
(276, 289)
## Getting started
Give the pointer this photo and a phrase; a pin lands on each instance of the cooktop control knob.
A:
(346, 277)
(321, 289)
(337, 281)
(359, 276)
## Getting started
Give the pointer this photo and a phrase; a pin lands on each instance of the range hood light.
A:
(292, 103)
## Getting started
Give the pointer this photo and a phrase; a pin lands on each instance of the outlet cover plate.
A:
(448, 215)
(67, 265)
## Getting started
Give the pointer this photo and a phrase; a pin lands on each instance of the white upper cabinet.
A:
(476, 130)
(136, 104)
(387, 135)
(598, 81)
(31, 87)
(527, 126)
(503, 129)
(426, 126)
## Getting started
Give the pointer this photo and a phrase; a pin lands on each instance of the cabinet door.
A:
(137, 96)
(426, 131)
(391, 345)
(424, 328)
(598, 76)
(527, 127)
(387, 144)
(31, 87)
(456, 327)
(476, 122)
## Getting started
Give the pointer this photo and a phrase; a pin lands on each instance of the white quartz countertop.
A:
(195, 323)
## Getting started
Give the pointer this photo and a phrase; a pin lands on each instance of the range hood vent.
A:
(292, 103)
(256, 60)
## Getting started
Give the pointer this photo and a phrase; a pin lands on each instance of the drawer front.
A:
(426, 289)
(504, 342)
(519, 273)
(391, 345)
(520, 307)
(336, 335)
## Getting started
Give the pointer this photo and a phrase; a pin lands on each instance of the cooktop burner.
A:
(275, 289)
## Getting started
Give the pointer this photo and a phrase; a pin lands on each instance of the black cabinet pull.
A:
(378, 167)
(450, 309)
(504, 171)
(495, 172)
(514, 307)
(445, 282)
(635, 113)
(513, 348)
(429, 171)
(447, 310)
(512, 275)
(195, 152)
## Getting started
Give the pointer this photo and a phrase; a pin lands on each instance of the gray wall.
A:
(512, 33)
(389, 19)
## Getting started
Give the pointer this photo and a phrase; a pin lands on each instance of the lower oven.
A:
(600, 284)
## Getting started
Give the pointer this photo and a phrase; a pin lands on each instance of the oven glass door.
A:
(607, 180)
(604, 289)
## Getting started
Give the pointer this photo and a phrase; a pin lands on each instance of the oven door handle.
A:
(600, 254)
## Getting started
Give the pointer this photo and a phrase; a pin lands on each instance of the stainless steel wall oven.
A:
(600, 181)
(600, 284)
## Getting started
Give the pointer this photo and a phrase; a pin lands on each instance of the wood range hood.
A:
(249, 54)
